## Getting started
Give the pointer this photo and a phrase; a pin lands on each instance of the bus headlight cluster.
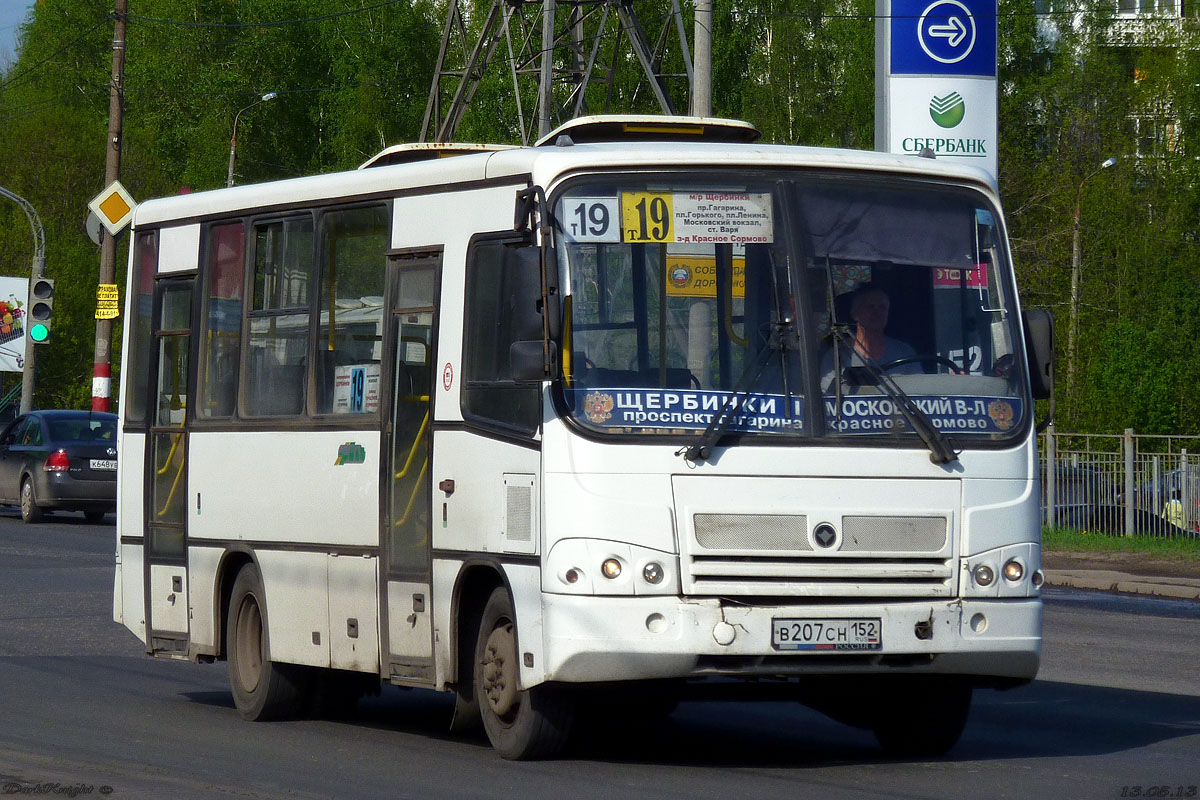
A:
(1010, 571)
(597, 567)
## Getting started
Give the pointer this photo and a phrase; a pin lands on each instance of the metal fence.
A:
(1121, 485)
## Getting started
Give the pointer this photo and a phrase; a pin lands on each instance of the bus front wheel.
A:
(921, 717)
(520, 723)
(262, 689)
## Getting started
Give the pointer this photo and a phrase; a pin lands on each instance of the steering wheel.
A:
(1003, 366)
(941, 361)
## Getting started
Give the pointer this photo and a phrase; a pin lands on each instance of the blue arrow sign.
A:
(943, 37)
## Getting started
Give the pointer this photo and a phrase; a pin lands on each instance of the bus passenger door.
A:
(407, 493)
(166, 472)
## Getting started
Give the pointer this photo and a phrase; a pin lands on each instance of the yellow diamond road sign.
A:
(114, 207)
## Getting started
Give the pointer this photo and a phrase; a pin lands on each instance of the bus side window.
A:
(277, 338)
(141, 342)
(222, 335)
(350, 334)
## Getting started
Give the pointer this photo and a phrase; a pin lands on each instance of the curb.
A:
(1123, 582)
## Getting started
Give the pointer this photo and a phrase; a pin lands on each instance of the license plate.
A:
(827, 634)
(103, 463)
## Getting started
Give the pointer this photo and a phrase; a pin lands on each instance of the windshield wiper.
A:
(940, 449)
(775, 343)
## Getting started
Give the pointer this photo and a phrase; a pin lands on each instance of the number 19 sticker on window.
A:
(698, 217)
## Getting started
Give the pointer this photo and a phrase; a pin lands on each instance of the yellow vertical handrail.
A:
(412, 498)
(178, 437)
(412, 451)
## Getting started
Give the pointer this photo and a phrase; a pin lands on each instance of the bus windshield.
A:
(785, 296)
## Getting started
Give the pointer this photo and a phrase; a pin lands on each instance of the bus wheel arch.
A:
(475, 585)
(231, 564)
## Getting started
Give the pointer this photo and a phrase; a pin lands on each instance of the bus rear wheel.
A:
(921, 717)
(520, 723)
(262, 689)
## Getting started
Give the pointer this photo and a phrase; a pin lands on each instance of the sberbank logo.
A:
(948, 111)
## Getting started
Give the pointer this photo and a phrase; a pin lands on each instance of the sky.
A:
(12, 14)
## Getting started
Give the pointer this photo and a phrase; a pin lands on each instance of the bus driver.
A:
(869, 307)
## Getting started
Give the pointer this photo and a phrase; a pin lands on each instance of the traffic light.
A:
(41, 308)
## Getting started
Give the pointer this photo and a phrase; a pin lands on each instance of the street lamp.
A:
(233, 138)
(1073, 327)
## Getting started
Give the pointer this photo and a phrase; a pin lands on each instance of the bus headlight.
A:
(1013, 571)
(984, 574)
(653, 573)
(611, 568)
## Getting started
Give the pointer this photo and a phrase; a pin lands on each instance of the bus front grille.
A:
(779, 556)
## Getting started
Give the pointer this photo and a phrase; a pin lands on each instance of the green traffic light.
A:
(39, 332)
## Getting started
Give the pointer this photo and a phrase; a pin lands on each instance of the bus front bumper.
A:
(591, 639)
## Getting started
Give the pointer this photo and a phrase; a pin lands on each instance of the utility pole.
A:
(702, 82)
(102, 363)
(546, 80)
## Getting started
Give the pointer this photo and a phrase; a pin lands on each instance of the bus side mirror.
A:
(525, 270)
(1039, 344)
(530, 309)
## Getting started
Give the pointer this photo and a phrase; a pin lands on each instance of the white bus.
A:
(643, 410)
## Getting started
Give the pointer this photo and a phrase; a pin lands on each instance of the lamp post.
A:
(37, 270)
(1073, 326)
(233, 138)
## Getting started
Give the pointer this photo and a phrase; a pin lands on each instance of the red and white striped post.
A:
(101, 386)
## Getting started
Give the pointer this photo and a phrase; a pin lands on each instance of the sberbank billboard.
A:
(935, 79)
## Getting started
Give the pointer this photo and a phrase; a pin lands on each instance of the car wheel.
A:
(29, 508)
(520, 723)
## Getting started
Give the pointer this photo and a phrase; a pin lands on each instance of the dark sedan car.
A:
(60, 460)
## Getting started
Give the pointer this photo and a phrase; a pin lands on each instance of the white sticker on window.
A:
(591, 219)
(356, 389)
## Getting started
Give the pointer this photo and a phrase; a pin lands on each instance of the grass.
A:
(1072, 541)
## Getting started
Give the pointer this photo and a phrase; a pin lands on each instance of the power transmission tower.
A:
(554, 49)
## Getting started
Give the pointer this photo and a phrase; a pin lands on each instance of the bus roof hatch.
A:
(652, 128)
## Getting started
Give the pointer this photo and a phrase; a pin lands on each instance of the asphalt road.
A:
(1115, 713)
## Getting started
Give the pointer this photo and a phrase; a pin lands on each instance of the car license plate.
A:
(827, 634)
(103, 463)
